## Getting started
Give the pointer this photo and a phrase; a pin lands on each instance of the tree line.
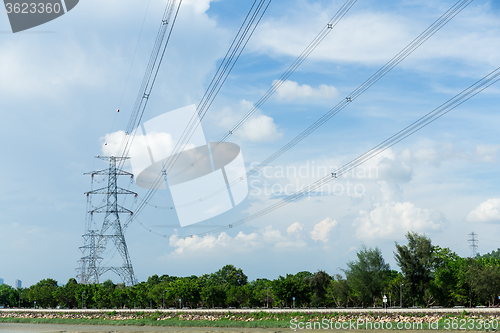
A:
(428, 276)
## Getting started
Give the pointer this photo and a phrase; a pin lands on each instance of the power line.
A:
(427, 119)
(290, 70)
(152, 69)
(244, 34)
(398, 58)
(131, 65)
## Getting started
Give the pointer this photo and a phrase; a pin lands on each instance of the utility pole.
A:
(473, 242)
(401, 295)
(267, 302)
(96, 240)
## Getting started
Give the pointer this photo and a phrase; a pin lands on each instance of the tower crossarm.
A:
(105, 172)
(105, 209)
(105, 190)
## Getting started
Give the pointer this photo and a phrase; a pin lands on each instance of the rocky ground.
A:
(256, 316)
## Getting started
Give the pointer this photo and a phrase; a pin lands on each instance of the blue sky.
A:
(61, 83)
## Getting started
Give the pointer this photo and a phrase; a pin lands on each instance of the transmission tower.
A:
(473, 244)
(96, 240)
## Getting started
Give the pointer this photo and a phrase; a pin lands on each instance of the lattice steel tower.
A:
(96, 240)
(473, 244)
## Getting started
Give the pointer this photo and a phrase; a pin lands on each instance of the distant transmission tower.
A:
(96, 240)
(473, 242)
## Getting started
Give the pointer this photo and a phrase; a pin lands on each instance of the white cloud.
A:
(259, 128)
(368, 28)
(199, 6)
(322, 230)
(112, 142)
(264, 238)
(291, 91)
(296, 227)
(394, 219)
(488, 211)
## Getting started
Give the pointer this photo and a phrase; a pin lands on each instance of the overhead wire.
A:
(160, 46)
(243, 36)
(241, 39)
(437, 25)
(417, 125)
(289, 71)
(131, 66)
(208, 99)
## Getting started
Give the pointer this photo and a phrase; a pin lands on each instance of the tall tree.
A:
(338, 290)
(43, 293)
(484, 275)
(319, 283)
(366, 276)
(286, 288)
(416, 261)
(231, 276)
(8, 295)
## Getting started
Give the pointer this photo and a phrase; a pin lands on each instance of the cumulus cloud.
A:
(291, 91)
(259, 128)
(295, 228)
(370, 27)
(394, 219)
(488, 211)
(156, 141)
(264, 238)
(322, 230)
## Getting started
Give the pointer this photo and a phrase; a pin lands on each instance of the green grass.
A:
(260, 320)
(174, 322)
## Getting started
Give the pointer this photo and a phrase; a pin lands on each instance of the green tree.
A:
(213, 295)
(230, 276)
(239, 296)
(43, 293)
(187, 289)
(416, 261)
(262, 293)
(286, 288)
(318, 284)
(8, 296)
(451, 282)
(66, 296)
(484, 275)
(338, 290)
(367, 276)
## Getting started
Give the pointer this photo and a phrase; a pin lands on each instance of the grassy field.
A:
(174, 322)
(265, 320)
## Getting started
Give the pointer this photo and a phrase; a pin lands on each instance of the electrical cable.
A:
(244, 34)
(419, 124)
(398, 58)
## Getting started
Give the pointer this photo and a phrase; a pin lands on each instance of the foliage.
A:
(430, 275)
(416, 261)
(368, 276)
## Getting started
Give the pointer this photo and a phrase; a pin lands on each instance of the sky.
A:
(62, 82)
